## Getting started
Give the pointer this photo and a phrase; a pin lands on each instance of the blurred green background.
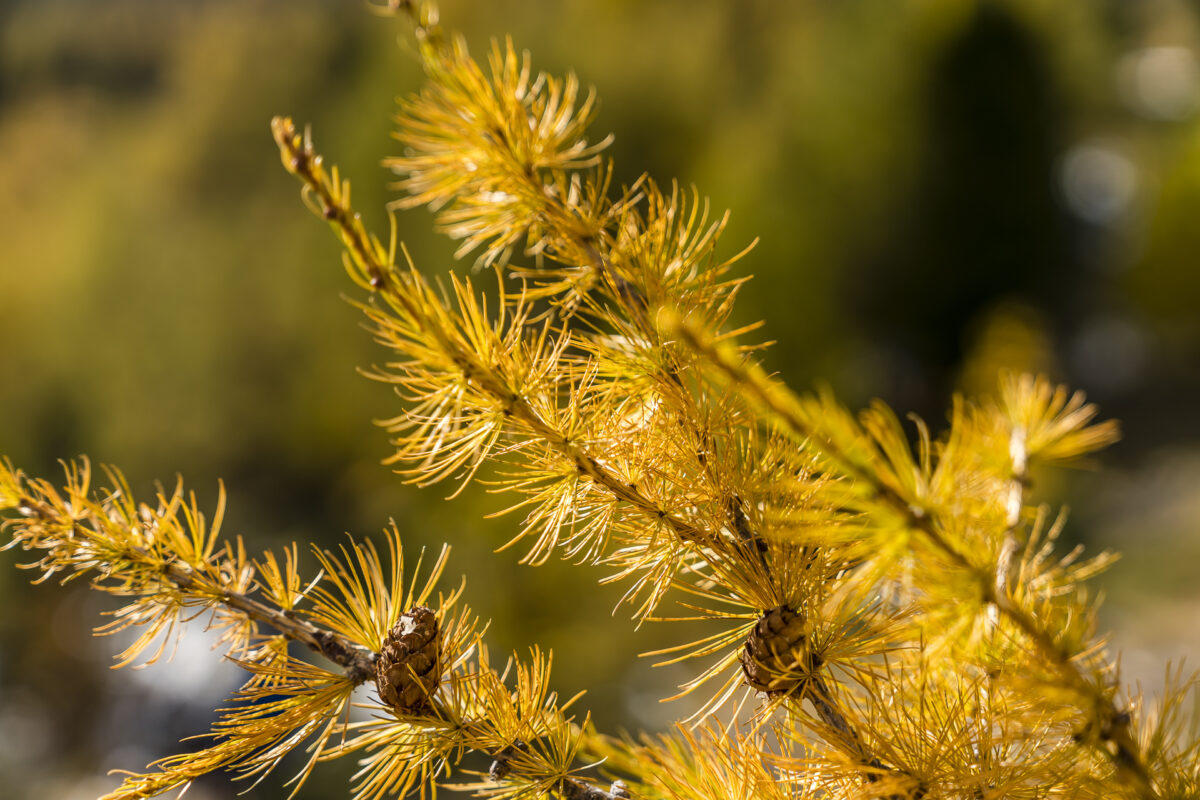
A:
(942, 188)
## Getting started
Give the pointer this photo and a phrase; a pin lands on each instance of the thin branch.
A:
(571, 789)
(194, 584)
(358, 662)
(301, 159)
(1114, 723)
(836, 720)
(568, 788)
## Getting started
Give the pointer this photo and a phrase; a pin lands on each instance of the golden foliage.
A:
(897, 597)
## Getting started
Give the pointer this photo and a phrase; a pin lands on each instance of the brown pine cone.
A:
(408, 669)
(776, 657)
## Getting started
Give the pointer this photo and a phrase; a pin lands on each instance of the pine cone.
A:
(408, 669)
(776, 657)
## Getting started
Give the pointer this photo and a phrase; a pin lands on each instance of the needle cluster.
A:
(894, 617)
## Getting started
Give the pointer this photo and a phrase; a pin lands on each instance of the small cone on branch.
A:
(777, 657)
(408, 669)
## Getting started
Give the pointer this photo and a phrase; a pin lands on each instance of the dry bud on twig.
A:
(408, 670)
(776, 657)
